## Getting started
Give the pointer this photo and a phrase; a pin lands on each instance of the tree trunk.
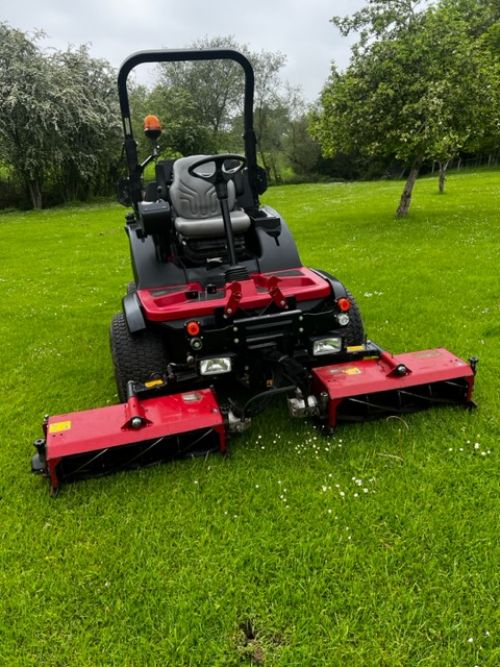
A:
(265, 164)
(443, 166)
(275, 170)
(35, 193)
(405, 201)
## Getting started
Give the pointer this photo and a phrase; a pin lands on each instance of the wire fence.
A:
(472, 161)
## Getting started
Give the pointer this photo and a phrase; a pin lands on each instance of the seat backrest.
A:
(194, 198)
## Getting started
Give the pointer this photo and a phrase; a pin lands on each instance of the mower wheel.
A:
(354, 331)
(139, 356)
(131, 287)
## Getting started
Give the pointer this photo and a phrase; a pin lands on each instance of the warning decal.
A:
(351, 370)
(57, 427)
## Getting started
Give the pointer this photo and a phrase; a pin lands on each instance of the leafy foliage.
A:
(89, 128)
(203, 102)
(27, 124)
(58, 118)
(420, 85)
(213, 89)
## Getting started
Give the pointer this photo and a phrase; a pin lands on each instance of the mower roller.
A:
(222, 317)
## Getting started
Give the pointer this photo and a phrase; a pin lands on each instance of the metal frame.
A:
(180, 55)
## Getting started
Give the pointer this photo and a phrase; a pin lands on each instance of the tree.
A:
(416, 89)
(303, 153)
(59, 119)
(483, 20)
(203, 93)
(203, 100)
(201, 105)
(85, 108)
(184, 133)
(27, 127)
(272, 109)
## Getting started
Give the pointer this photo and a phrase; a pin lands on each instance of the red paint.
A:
(234, 297)
(256, 292)
(94, 430)
(276, 294)
(369, 376)
(134, 410)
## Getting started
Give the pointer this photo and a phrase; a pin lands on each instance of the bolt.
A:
(136, 422)
(229, 311)
(235, 329)
(301, 330)
(236, 340)
(301, 318)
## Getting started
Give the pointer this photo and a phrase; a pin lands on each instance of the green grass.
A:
(377, 546)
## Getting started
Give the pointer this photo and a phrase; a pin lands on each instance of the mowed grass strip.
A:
(376, 546)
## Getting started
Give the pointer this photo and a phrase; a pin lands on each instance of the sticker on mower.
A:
(191, 397)
(57, 427)
(154, 383)
(351, 370)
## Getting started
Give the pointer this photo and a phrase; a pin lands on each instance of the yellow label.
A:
(56, 427)
(153, 383)
(356, 348)
(353, 370)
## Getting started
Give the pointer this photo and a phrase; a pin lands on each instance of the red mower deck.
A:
(397, 384)
(131, 434)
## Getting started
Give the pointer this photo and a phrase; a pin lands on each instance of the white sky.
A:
(114, 29)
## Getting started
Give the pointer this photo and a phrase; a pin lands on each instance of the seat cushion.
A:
(212, 227)
(196, 205)
(192, 197)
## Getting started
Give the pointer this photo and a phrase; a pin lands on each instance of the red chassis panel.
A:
(426, 377)
(173, 303)
(87, 434)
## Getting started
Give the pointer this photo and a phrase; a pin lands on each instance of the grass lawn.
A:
(376, 546)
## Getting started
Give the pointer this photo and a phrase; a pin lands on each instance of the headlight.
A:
(215, 366)
(329, 345)
(343, 319)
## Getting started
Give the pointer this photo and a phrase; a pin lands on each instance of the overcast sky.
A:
(300, 29)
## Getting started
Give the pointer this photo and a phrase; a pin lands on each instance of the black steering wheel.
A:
(216, 170)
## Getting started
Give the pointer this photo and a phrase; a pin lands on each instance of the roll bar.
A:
(179, 55)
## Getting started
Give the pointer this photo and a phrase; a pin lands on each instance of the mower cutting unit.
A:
(222, 317)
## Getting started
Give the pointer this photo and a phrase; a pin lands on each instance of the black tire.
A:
(131, 287)
(139, 356)
(354, 332)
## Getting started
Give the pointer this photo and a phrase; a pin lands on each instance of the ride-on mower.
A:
(222, 317)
